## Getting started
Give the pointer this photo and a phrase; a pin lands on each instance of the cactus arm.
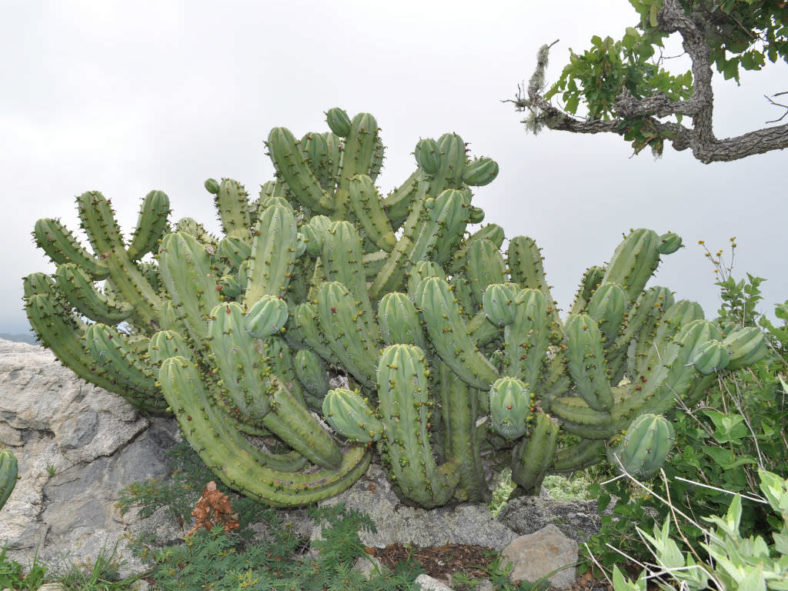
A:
(492, 232)
(459, 412)
(357, 158)
(273, 254)
(247, 378)
(151, 224)
(293, 168)
(634, 261)
(187, 275)
(98, 221)
(342, 262)
(9, 470)
(62, 247)
(305, 323)
(646, 444)
(586, 361)
(350, 415)
(480, 172)
(589, 283)
(347, 334)
(533, 456)
(367, 207)
(399, 321)
(579, 456)
(397, 204)
(443, 227)
(128, 370)
(234, 460)
(392, 273)
(378, 155)
(233, 252)
(373, 263)
(640, 326)
(404, 408)
(580, 419)
(449, 334)
(607, 308)
(203, 236)
(527, 338)
(58, 331)
(291, 421)
(485, 266)
(232, 204)
(311, 372)
(78, 289)
(165, 344)
(234, 355)
(451, 166)
(525, 264)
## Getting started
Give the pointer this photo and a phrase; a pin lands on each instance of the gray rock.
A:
(398, 523)
(427, 583)
(578, 520)
(537, 555)
(77, 445)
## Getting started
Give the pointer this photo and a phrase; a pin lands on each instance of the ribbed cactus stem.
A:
(405, 412)
(463, 440)
(98, 221)
(534, 455)
(186, 272)
(449, 334)
(273, 254)
(9, 471)
(234, 460)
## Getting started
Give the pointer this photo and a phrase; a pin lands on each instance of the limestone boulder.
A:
(77, 446)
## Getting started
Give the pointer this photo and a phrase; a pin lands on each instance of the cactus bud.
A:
(428, 155)
(497, 303)
(349, 414)
(338, 121)
(266, 317)
(510, 407)
(480, 172)
(746, 346)
(645, 446)
(669, 243)
(711, 356)
(212, 186)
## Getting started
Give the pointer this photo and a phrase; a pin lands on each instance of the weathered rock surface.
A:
(537, 555)
(398, 523)
(578, 520)
(77, 445)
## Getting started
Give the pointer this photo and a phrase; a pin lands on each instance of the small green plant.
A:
(734, 561)
(51, 470)
(103, 574)
(13, 576)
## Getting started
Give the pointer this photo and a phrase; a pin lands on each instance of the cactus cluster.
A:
(388, 317)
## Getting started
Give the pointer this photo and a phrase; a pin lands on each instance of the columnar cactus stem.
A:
(462, 441)
(234, 460)
(405, 413)
(8, 474)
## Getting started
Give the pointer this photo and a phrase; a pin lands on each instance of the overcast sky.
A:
(125, 97)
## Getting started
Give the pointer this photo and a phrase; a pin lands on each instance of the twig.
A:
(722, 490)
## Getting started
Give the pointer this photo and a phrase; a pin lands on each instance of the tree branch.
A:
(699, 138)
